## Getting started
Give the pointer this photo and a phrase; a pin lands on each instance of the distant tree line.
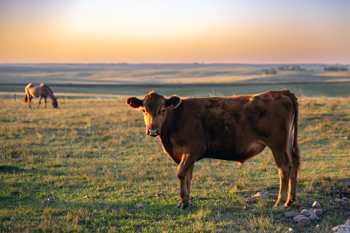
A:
(297, 68)
(334, 68)
(270, 71)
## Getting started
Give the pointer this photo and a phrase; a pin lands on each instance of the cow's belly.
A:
(233, 154)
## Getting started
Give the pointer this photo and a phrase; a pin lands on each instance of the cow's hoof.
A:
(183, 206)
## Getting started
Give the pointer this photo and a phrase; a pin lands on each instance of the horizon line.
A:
(170, 63)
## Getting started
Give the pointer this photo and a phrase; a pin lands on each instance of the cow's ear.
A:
(134, 102)
(173, 102)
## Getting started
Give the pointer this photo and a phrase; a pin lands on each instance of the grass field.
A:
(323, 89)
(132, 168)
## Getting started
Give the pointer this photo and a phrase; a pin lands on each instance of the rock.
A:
(47, 194)
(87, 196)
(102, 147)
(318, 212)
(345, 228)
(309, 213)
(289, 229)
(335, 228)
(95, 211)
(331, 202)
(289, 214)
(346, 137)
(316, 204)
(43, 150)
(245, 208)
(19, 160)
(23, 189)
(115, 211)
(159, 194)
(297, 218)
(347, 222)
(139, 206)
(66, 156)
(338, 200)
(304, 221)
(50, 200)
(2, 151)
(243, 202)
(68, 210)
(252, 210)
(88, 151)
(14, 192)
(13, 218)
(345, 199)
(305, 212)
(250, 200)
(261, 194)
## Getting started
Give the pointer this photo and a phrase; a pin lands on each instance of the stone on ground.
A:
(261, 195)
(288, 214)
(318, 212)
(316, 204)
(250, 200)
(139, 206)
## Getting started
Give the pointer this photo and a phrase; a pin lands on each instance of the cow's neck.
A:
(170, 127)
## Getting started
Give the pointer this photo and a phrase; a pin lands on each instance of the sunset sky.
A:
(175, 31)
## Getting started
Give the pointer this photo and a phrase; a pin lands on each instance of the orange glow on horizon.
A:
(241, 38)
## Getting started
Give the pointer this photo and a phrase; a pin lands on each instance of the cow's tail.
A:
(296, 149)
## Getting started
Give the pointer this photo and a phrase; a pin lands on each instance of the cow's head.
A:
(154, 108)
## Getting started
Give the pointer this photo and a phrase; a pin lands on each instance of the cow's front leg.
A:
(188, 180)
(184, 173)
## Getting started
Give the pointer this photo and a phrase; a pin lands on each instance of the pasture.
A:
(93, 157)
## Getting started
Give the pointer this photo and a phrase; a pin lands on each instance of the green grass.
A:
(133, 168)
(335, 89)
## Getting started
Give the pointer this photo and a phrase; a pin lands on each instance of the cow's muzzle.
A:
(152, 132)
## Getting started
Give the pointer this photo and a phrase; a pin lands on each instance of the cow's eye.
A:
(163, 111)
(143, 110)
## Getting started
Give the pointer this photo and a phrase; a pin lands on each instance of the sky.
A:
(175, 31)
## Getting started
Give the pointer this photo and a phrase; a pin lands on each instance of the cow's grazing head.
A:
(154, 108)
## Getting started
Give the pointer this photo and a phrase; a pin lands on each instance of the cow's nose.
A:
(153, 132)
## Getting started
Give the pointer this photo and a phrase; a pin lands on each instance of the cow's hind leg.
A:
(284, 168)
(292, 195)
(39, 100)
(30, 100)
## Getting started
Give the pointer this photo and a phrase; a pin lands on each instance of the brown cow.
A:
(233, 128)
